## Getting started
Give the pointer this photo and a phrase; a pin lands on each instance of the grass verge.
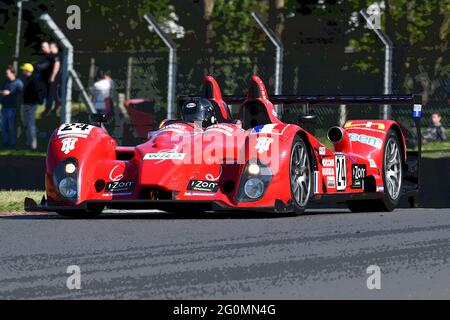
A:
(12, 201)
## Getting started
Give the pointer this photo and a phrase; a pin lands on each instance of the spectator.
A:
(49, 68)
(11, 90)
(102, 93)
(436, 131)
(30, 102)
(55, 52)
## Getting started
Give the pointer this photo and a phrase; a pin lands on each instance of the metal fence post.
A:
(172, 71)
(385, 111)
(129, 77)
(18, 34)
(279, 52)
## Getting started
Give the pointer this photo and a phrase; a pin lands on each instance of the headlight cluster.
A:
(65, 178)
(254, 181)
(254, 188)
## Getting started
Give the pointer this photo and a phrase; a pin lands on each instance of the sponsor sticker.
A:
(113, 176)
(74, 129)
(210, 176)
(328, 171)
(202, 185)
(176, 128)
(68, 144)
(368, 124)
(115, 194)
(164, 156)
(329, 162)
(263, 144)
(380, 188)
(331, 183)
(373, 164)
(120, 186)
(227, 130)
(198, 194)
(369, 140)
(322, 151)
(358, 174)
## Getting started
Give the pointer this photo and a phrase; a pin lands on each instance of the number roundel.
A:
(341, 172)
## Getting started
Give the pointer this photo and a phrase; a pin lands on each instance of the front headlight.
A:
(68, 188)
(65, 179)
(254, 188)
(254, 181)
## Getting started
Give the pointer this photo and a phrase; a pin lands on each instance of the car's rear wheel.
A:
(392, 179)
(300, 175)
(82, 214)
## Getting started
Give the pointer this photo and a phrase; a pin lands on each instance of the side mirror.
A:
(308, 122)
(98, 118)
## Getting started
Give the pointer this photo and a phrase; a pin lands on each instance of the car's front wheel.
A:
(300, 175)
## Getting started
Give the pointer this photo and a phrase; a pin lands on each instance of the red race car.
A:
(209, 161)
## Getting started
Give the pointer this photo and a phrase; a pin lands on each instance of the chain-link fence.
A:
(143, 74)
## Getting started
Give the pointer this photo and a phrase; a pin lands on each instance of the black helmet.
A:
(198, 109)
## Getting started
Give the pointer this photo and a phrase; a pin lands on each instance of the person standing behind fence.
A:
(56, 56)
(436, 131)
(30, 102)
(48, 71)
(101, 92)
(11, 91)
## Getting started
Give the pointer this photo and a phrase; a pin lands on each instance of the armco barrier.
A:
(27, 173)
(22, 173)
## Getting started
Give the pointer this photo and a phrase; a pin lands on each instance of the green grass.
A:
(12, 201)
(21, 152)
(437, 149)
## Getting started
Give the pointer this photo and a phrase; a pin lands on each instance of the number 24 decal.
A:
(341, 172)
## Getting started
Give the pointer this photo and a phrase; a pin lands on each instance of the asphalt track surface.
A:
(227, 256)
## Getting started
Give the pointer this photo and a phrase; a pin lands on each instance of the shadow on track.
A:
(161, 215)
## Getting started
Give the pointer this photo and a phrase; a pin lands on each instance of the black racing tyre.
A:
(82, 214)
(392, 179)
(300, 175)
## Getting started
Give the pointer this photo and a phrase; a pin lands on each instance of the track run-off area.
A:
(153, 255)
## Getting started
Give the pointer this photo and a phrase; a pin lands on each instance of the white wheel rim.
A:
(300, 174)
(393, 169)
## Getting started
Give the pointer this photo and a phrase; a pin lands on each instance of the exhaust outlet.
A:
(340, 139)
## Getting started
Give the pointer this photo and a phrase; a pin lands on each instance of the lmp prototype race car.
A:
(208, 160)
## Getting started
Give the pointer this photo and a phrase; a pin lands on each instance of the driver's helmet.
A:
(198, 110)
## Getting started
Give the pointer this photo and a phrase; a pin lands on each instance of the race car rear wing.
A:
(412, 101)
(337, 99)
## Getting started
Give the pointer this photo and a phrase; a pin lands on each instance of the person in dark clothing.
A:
(436, 131)
(57, 57)
(31, 99)
(48, 70)
(10, 93)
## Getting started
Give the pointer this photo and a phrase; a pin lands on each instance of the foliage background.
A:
(327, 48)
